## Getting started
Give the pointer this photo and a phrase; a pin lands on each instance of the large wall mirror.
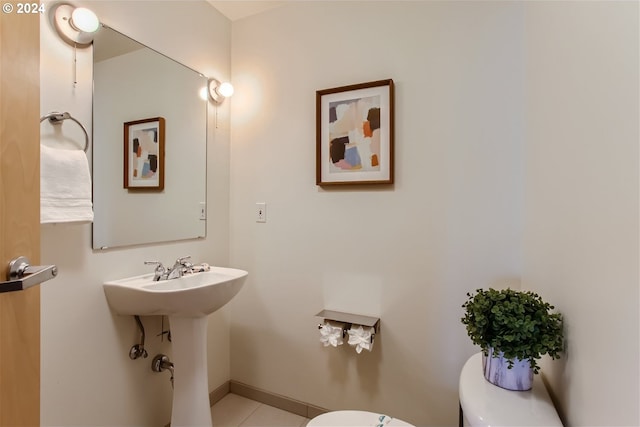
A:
(133, 83)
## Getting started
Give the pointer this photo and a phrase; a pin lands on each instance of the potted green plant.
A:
(514, 329)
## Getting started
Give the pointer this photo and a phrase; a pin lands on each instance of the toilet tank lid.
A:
(485, 404)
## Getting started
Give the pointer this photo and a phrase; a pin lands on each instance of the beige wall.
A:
(517, 157)
(581, 205)
(407, 253)
(87, 376)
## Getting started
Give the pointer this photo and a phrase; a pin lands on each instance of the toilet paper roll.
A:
(331, 333)
(360, 338)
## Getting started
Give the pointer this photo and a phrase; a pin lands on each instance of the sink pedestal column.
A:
(191, 382)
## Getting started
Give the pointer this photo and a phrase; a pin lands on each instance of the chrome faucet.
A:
(180, 267)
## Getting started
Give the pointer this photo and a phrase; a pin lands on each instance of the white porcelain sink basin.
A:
(187, 301)
(192, 295)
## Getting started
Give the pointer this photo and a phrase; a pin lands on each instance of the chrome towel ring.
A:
(56, 118)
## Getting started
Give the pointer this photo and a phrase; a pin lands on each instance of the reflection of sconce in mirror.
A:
(75, 26)
(219, 91)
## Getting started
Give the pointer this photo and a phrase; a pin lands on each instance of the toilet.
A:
(482, 404)
(356, 419)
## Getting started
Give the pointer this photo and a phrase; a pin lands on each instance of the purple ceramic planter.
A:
(496, 371)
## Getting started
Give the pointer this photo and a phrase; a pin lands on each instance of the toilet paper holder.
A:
(350, 319)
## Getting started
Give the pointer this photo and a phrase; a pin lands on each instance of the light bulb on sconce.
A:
(75, 26)
(84, 20)
(225, 89)
(219, 91)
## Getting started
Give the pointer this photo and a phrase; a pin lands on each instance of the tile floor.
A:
(237, 411)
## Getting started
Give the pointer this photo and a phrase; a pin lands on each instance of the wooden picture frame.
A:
(355, 134)
(144, 154)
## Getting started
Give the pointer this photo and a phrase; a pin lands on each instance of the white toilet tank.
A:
(483, 404)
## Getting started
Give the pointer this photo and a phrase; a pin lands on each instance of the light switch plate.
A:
(261, 212)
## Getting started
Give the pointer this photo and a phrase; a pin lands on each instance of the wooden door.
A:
(19, 216)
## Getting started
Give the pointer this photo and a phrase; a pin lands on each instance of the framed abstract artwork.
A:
(144, 154)
(354, 134)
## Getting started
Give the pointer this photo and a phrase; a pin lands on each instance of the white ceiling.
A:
(237, 9)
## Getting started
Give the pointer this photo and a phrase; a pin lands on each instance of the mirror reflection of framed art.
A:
(144, 154)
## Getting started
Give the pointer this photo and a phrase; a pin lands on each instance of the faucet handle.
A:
(158, 263)
(160, 270)
(183, 260)
(159, 267)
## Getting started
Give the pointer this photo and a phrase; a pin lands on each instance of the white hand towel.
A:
(331, 333)
(360, 338)
(65, 186)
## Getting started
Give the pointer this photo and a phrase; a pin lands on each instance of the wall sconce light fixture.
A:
(76, 25)
(219, 91)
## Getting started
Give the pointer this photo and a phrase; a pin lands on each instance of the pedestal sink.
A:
(187, 301)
